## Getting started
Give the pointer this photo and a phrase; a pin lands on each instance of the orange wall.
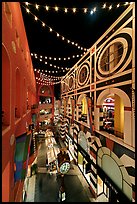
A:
(19, 58)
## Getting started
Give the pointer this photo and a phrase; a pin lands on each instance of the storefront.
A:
(84, 163)
(107, 187)
(113, 180)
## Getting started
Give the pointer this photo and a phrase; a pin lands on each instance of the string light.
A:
(104, 6)
(56, 58)
(66, 10)
(36, 18)
(27, 10)
(110, 7)
(57, 34)
(47, 8)
(56, 8)
(74, 10)
(37, 6)
(85, 10)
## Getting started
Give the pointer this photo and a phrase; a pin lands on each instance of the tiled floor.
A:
(44, 187)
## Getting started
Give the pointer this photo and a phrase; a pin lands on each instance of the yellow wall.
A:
(119, 114)
(84, 106)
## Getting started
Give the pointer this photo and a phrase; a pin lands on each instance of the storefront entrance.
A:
(114, 177)
(82, 164)
(102, 190)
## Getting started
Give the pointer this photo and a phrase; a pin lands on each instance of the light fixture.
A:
(36, 18)
(110, 7)
(47, 8)
(85, 10)
(27, 10)
(104, 6)
(74, 10)
(56, 8)
(66, 10)
(37, 6)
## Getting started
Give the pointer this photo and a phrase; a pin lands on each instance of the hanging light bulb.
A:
(110, 7)
(27, 10)
(56, 8)
(47, 8)
(43, 24)
(66, 10)
(85, 10)
(104, 6)
(36, 18)
(74, 10)
(37, 6)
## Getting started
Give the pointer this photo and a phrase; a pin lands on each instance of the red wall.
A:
(13, 90)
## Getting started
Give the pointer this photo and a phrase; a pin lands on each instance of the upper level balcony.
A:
(45, 106)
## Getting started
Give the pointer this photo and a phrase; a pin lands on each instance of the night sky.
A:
(81, 28)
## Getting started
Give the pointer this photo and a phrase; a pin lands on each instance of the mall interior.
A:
(87, 138)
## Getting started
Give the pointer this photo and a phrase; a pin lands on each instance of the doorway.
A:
(102, 190)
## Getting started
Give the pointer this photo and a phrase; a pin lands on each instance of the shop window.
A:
(113, 115)
(111, 56)
(8, 13)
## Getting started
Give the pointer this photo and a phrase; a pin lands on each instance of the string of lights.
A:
(41, 72)
(53, 31)
(40, 57)
(44, 79)
(52, 65)
(76, 10)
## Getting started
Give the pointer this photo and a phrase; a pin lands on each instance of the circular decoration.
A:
(63, 87)
(64, 168)
(12, 139)
(110, 57)
(83, 75)
(13, 46)
(71, 82)
(115, 55)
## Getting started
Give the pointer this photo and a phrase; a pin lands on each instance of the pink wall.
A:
(14, 91)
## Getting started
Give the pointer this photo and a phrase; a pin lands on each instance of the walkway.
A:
(44, 187)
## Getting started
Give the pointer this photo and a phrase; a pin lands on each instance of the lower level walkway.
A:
(44, 186)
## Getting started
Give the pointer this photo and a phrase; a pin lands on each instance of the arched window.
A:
(24, 96)
(18, 95)
(113, 115)
(5, 88)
